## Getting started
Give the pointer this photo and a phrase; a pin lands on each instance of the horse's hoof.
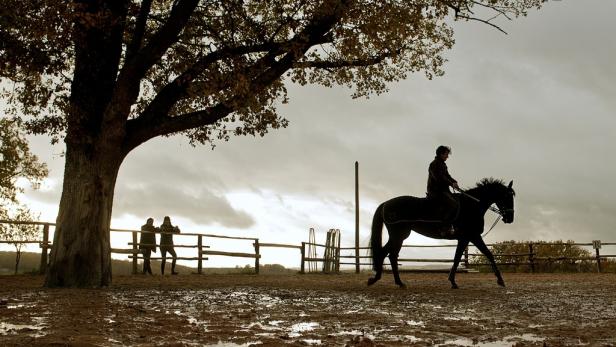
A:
(372, 281)
(501, 282)
(401, 285)
(454, 286)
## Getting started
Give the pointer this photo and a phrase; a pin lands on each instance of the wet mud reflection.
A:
(295, 313)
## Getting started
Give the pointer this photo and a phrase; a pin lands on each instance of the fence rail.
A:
(331, 259)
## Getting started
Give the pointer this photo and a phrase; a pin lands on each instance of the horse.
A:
(403, 214)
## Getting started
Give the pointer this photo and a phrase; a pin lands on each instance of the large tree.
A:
(109, 75)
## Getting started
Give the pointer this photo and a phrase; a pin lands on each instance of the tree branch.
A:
(127, 86)
(341, 63)
(139, 131)
(140, 26)
(174, 91)
(483, 21)
(458, 11)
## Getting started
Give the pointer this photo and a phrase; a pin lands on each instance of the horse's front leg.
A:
(481, 246)
(462, 243)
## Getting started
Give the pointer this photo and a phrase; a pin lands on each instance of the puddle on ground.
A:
(312, 342)
(20, 306)
(508, 340)
(454, 318)
(233, 344)
(8, 328)
(299, 328)
(415, 323)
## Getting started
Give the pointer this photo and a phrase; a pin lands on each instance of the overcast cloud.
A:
(536, 106)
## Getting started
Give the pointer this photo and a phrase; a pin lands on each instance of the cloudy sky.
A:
(536, 106)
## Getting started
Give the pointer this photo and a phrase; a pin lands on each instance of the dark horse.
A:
(406, 213)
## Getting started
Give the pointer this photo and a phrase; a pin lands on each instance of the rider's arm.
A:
(439, 171)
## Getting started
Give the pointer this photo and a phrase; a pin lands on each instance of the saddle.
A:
(426, 215)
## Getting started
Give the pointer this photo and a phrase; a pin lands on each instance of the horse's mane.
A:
(490, 183)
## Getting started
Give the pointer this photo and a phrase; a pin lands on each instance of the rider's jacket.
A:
(439, 179)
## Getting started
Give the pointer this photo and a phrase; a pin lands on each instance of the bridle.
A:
(501, 213)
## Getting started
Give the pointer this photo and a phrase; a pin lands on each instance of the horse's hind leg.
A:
(380, 258)
(456, 261)
(396, 245)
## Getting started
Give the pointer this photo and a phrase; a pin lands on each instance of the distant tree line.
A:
(547, 256)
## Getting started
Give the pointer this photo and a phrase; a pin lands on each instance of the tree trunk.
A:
(81, 251)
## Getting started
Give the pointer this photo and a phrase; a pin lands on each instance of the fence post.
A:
(531, 257)
(466, 257)
(303, 250)
(356, 217)
(257, 255)
(135, 252)
(327, 252)
(199, 254)
(338, 252)
(43, 266)
(597, 246)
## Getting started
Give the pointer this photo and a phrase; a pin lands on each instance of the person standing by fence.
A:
(166, 244)
(147, 244)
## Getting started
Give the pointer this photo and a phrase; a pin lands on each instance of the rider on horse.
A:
(438, 191)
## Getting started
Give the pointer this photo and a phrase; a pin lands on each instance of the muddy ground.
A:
(316, 309)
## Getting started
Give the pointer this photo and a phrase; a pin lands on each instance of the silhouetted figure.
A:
(166, 244)
(439, 195)
(469, 224)
(147, 244)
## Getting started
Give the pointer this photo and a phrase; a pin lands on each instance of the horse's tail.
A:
(376, 236)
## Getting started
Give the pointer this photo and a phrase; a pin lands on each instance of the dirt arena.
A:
(299, 310)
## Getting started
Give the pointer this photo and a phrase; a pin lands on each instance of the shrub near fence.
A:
(546, 256)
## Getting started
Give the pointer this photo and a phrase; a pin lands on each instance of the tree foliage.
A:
(16, 162)
(212, 69)
(549, 256)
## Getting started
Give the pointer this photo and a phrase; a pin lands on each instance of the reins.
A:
(493, 209)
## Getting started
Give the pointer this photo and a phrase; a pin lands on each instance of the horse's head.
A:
(494, 191)
(505, 203)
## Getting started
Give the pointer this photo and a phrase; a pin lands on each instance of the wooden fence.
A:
(532, 258)
(135, 254)
(332, 253)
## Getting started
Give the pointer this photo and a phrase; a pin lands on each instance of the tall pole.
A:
(356, 217)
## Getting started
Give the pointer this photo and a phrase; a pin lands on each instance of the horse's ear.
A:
(510, 184)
